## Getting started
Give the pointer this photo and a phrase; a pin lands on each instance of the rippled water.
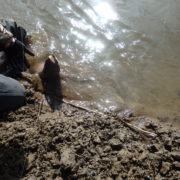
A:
(114, 53)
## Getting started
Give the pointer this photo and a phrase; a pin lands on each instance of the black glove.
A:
(19, 45)
(16, 56)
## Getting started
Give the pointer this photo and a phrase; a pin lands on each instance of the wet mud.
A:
(71, 143)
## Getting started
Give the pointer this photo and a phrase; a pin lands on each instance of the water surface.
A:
(116, 53)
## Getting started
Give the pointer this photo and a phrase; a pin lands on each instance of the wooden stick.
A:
(133, 127)
(40, 108)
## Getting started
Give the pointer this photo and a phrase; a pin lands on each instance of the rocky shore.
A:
(38, 144)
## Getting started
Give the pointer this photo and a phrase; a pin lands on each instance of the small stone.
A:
(176, 156)
(176, 165)
(165, 168)
(68, 157)
(98, 177)
(99, 150)
(158, 177)
(49, 178)
(32, 178)
(142, 156)
(109, 178)
(106, 160)
(97, 140)
(119, 178)
(168, 145)
(30, 159)
(58, 178)
(107, 149)
(126, 113)
(151, 126)
(123, 153)
(83, 171)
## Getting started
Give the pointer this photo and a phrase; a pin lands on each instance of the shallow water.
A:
(115, 53)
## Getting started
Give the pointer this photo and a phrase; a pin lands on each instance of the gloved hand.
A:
(19, 45)
(16, 56)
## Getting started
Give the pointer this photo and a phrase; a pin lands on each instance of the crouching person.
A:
(12, 39)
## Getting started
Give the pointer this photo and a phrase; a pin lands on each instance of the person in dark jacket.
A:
(12, 93)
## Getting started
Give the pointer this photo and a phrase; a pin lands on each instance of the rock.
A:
(32, 178)
(49, 178)
(116, 144)
(30, 159)
(143, 156)
(109, 178)
(151, 126)
(52, 157)
(165, 168)
(58, 178)
(126, 113)
(98, 177)
(168, 145)
(83, 171)
(107, 149)
(119, 178)
(97, 140)
(68, 157)
(158, 177)
(176, 156)
(123, 153)
(99, 150)
(176, 165)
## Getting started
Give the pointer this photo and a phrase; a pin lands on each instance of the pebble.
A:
(165, 168)
(176, 165)
(176, 156)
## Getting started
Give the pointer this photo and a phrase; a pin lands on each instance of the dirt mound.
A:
(75, 144)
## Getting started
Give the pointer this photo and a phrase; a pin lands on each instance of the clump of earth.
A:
(72, 143)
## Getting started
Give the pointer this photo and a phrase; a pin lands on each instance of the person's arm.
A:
(5, 31)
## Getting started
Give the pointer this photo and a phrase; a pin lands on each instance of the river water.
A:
(116, 54)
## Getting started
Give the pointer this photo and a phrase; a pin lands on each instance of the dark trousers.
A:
(12, 94)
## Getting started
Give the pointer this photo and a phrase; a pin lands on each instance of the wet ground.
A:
(38, 144)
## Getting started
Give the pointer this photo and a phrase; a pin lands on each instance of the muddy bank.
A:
(75, 144)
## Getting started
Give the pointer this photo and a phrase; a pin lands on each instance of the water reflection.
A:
(105, 11)
(79, 35)
(95, 46)
(101, 13)
(114, 52)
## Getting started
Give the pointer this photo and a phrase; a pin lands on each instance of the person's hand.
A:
(19, 45)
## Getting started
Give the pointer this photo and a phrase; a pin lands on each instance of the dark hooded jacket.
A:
(15, 54)
(12, 93)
